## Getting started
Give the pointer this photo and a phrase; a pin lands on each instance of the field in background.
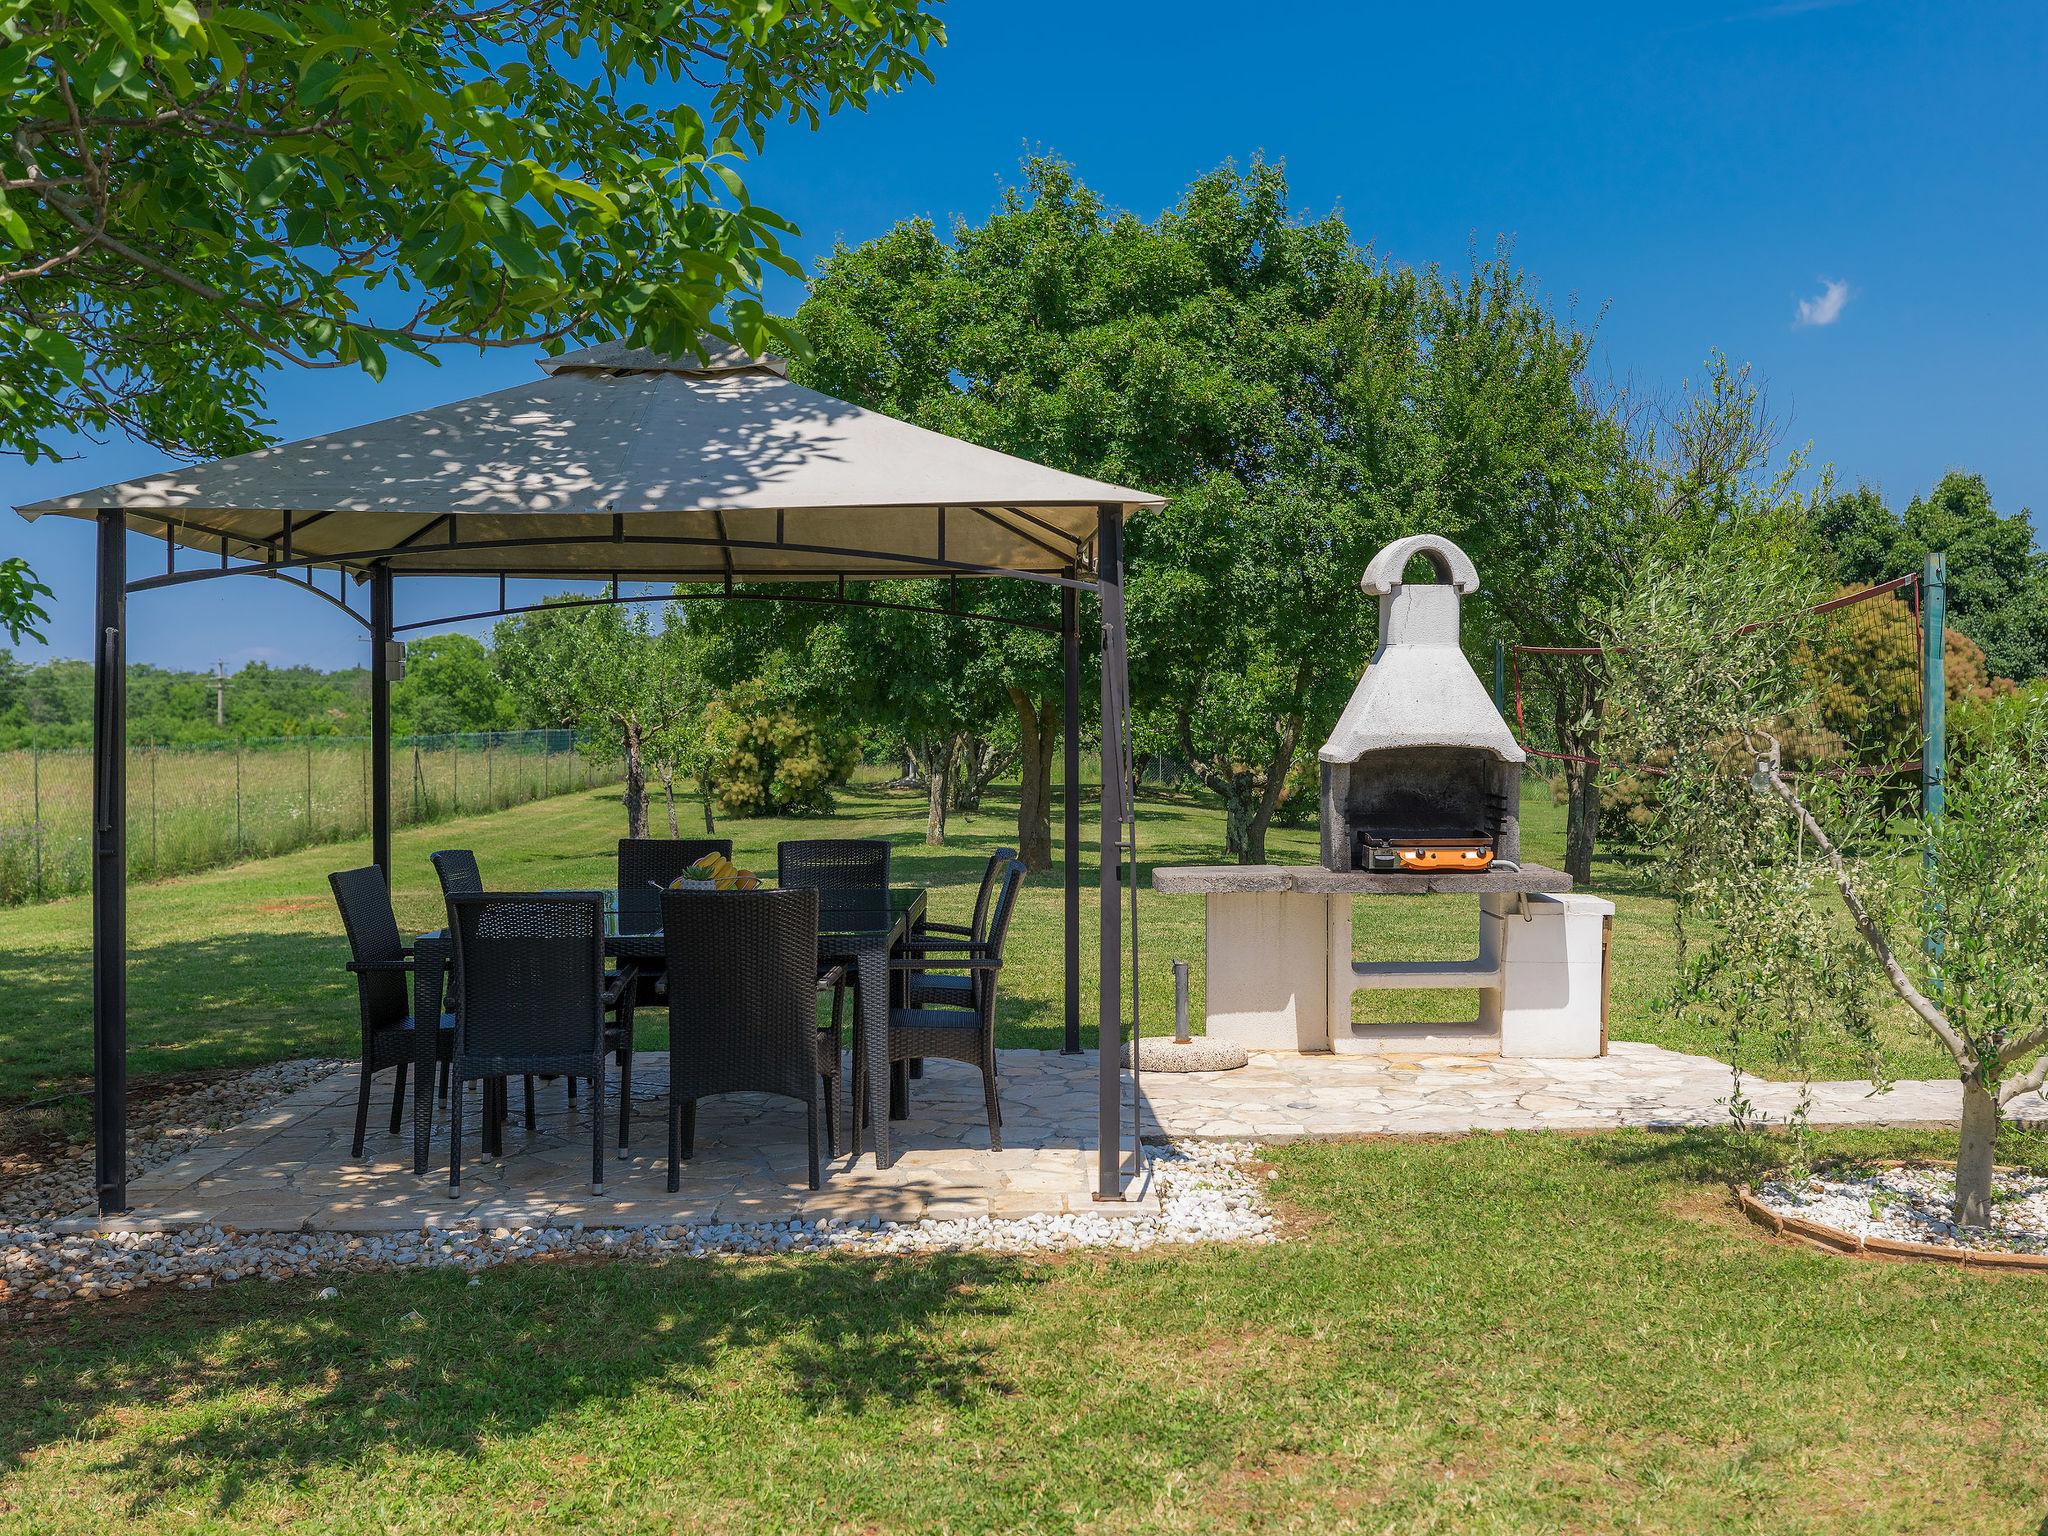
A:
(243, 965)
(197, 807)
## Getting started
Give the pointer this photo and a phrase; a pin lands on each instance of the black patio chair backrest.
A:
(850, 875)
(458, 873)
(529, 978)
(998, 861)
(648, 862)
(742, 991)
(998, 932)
(373, 941)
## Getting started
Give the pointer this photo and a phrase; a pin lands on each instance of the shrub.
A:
(769, 760)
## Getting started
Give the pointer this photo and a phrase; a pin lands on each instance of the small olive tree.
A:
(1765, 856)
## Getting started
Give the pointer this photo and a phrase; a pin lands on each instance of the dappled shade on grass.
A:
(1499, 1332)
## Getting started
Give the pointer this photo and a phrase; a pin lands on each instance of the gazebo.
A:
(616, 465)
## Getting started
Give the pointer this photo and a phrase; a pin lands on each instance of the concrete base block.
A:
(1266, 978)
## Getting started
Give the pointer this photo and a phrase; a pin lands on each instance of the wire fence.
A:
(194, 807)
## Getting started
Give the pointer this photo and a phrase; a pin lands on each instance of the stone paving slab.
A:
(288, 1168)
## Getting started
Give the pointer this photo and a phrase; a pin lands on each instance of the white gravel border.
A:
(1913, 1205)
(1205, 1195)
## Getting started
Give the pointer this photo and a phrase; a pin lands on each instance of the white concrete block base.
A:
(1280, 977)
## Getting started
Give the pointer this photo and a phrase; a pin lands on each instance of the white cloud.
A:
(1825, 307)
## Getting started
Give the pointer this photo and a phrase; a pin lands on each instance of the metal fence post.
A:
(455, 771)
(36, 842)
(1500, 677)
(153, 751)
(309, 789)
(238, 797)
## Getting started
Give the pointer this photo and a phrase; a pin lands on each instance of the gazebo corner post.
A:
(380, 719)
(110, 868)
(1109, 1030)
(1070, 783)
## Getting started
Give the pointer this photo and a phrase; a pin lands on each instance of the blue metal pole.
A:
(1500, 677)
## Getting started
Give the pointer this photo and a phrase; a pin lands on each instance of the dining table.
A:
(860, 935)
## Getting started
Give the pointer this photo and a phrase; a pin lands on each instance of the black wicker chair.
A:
(956, 989)
(649, 862)
(531, 997)
(956, 1033)
(850, 875)
(382, 966)
(456, 869)
(743, 1010)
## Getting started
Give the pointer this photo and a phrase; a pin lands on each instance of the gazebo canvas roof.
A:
(619, 462)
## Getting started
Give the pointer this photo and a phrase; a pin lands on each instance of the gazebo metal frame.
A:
(642, 547)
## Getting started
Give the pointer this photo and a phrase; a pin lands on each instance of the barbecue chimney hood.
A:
(1421, 773)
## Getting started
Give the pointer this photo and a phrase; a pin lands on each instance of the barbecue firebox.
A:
(1421, 774)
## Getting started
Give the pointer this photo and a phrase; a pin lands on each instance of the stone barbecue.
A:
(1421, 785)
(1421, 773)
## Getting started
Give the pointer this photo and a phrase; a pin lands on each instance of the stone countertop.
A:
(1314, 880)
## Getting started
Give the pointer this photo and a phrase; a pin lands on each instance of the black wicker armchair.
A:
(957, 1032)
(956, 988)
(531, 997)
(382, 966)
(850, 875)
(646, 867)
(743, 1010)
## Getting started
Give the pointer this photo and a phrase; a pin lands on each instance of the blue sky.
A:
(1851, 195)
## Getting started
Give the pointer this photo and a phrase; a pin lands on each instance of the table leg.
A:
(428, 985)
(873, 964)
(899, 1090)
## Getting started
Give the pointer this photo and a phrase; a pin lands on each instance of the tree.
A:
(1866, 665)
(1949, 914)
(1997, 580)
(191, 194)
(451, 683)
(1246, 364)
(602, 667)
(20, 613)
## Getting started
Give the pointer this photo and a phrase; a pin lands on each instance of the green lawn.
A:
(1499, 1333)
(243, 965)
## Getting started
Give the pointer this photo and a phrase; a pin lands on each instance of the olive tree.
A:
(606, 668)
(1949, 914)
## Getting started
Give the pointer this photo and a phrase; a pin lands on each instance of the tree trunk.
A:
(704, 795)
(1250, 799)
(1582, 820)
(668, 788)
(636, 784)
(1976, 1154)
(1038, 733)
(971, 756)
(938, 774)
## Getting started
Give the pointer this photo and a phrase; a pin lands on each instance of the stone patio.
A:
(288, 1168)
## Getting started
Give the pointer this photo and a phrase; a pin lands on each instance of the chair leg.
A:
(675, 1144)
(829, 1082)
(454, 1139)
(625, 1094)
(442, 1089)
(398, 1100)
(572, 1089)
(995, 1109)
(362, 1106)
(811, 1126)
(597, 1129)
(532, 1120)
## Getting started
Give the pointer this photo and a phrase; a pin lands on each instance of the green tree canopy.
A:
(192, 193)
(1997, 580)
(452, 683)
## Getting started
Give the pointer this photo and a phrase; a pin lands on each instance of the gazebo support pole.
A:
(1109, 1031)
(1070, 780)
(110, 869)
(380, 719)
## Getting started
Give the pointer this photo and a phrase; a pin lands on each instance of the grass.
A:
(1492, 1334)
(243, 965)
